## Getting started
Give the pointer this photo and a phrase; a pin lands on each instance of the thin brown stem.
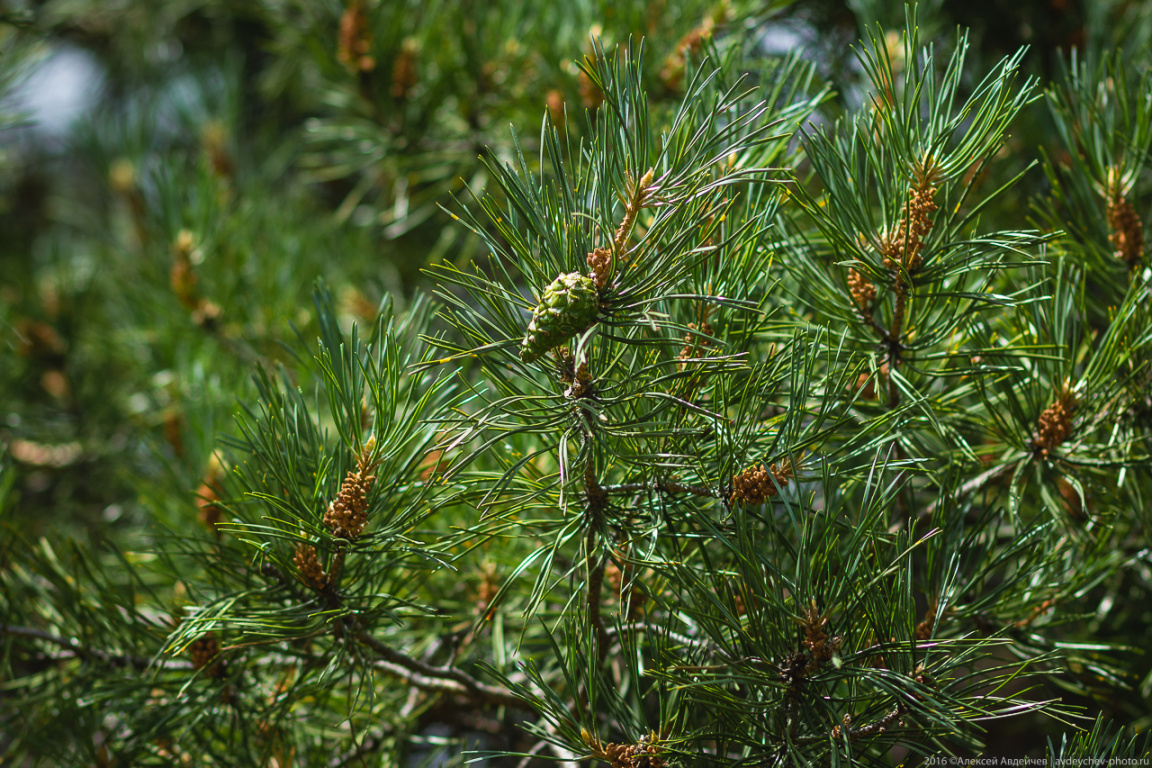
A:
(595, 587)
(665, 486)
(631, 209)
(368, 746)
(424, 675)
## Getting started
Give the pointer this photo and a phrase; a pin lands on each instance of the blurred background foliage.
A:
(162, 241)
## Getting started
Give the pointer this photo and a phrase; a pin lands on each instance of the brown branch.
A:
(639, 193)
(424, 675)
(666, 486)
(595, 586)
(373, 743)
(91, 654)
(872, 729)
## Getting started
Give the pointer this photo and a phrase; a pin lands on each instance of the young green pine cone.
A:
(568, 307)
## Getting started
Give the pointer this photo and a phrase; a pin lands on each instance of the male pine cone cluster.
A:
(754, 485)
(1055, 424)
(308, 566)
(346, 517)
(863, 292)
(634, 756)
(567, 308)
(903, 247)
(348, 513)
(644, 754)
(1127, 235)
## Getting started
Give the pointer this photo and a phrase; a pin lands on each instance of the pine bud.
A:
(568, 307)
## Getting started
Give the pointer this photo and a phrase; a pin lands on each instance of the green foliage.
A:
(760, 411)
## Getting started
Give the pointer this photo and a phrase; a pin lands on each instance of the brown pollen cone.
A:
(208, 495)
(634, 755)
(600, 264)
(590, 94)
(205, 651)
(693, 344)
(754, 485)
(1055, 424)
(182, 277)
(816, 638)
(404, 77)
(309, 568)
(1127, 235)
(863, 292)
(355, 39)
(904, 246)
(924, 628)
(348, 513)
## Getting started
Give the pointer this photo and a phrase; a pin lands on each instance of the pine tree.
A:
(756, 410)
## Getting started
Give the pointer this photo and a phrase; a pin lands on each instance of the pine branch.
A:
(448, 679)
(75, 650)
(663, 485)
(367, 746)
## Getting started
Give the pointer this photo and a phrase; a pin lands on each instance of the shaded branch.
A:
(664, 486)
(369, 745)
(74, 650)
(424, 675)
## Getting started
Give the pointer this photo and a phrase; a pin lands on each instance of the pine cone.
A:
(600, 262)
(753, 486)
(1127, 234)
(1055, 424)
(348, 513)
(568, 307)
(693, 344)
(863, 292)
(308, 566)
